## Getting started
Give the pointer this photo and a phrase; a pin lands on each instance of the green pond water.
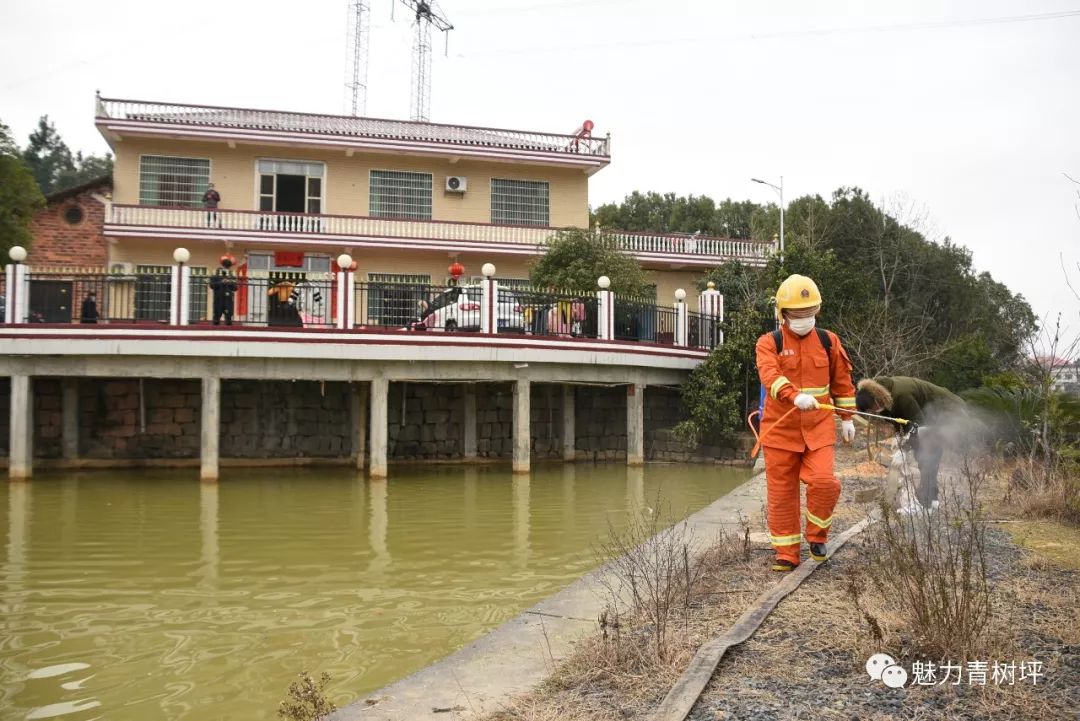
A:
(136, 596)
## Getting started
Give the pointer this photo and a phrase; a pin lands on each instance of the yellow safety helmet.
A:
(797, 291)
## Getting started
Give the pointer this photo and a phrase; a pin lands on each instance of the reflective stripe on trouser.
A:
(783, 470)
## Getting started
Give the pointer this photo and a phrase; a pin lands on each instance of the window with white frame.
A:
(290, 186)
(177, 182)
(519, 202)
(400, 194)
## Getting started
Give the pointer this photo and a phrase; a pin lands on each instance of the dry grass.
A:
(820, 632)
(617, 673)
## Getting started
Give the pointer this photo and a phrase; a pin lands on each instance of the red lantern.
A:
(456, 270)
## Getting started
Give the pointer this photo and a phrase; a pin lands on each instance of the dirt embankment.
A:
(808, 659)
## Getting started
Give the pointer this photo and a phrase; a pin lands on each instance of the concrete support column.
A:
(358, 410)
(468, 432)
(522, 426)
(635, 424)
(210, 428)
(70, 409)
(380, 397)
(569, 425)
(21, 442)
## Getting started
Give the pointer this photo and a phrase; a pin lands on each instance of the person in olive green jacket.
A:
(921, 403)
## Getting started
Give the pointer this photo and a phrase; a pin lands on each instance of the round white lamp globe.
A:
(604, 282)
(17, 253)
(488, 270)
(181, 255)
(344, 261)
(680, 295)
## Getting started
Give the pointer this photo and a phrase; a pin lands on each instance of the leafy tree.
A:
(20, 197)
(575, 259)
(47, 155)
(53, 165)
(86, 168)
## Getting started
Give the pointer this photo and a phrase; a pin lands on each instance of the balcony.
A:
(117, 118)
(364, 231)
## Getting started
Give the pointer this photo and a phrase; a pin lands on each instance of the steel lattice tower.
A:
(426, 17)
(359, 24)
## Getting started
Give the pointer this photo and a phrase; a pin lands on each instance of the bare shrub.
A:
(652, 569)
(932, 565)
(306, 700)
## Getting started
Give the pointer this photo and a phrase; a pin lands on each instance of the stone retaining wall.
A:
(282, 419)
(309, 419)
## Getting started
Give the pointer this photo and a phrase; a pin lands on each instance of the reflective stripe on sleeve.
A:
(845, 402)
(777, 385)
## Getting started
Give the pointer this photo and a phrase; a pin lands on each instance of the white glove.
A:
(805, 402)
(847, 431)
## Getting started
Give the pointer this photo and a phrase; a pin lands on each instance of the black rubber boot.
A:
(819, 551)
(784, 565)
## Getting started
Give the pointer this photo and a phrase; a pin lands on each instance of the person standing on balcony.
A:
(802, 369)
(210, 200)
(88, 313)
(223, 286)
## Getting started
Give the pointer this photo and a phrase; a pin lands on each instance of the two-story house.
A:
(405, 199)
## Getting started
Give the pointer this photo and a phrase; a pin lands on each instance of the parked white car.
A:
(458, 309)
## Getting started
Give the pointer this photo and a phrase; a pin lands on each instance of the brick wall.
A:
(58, 242)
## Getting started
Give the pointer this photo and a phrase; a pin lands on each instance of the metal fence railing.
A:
(635, 319)
(406, 305)
(547, 313)
(97, 298)
(276, 299)
(299, 299)
(704, 331)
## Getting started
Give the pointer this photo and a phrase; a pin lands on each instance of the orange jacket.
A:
(802, 367)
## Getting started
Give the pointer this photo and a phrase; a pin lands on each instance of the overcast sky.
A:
(968, 110)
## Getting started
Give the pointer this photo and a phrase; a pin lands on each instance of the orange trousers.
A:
(783, 471)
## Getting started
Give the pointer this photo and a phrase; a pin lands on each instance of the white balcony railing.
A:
(301, 224)
(343, 125)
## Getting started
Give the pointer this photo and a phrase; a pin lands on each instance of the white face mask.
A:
(801, 326)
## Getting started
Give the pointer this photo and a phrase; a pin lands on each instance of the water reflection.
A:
(19, 511)
(157, 597)
(521, 519)
(210, 558)
(378, 527)
(635, 489)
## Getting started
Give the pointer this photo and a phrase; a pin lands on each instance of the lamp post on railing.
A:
(180, 282)
(681, 330)
(605, 307)
(711, 312)
(14, 309)
(779, 189)
(488, 297)
(346, 292)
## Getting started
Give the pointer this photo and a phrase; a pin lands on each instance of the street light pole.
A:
(779, 189)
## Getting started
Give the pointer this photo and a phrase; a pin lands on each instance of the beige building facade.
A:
(403, 199)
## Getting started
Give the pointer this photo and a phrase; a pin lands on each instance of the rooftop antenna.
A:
(427, 16)
(356, 48)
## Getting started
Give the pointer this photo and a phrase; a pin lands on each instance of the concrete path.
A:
(520, 653)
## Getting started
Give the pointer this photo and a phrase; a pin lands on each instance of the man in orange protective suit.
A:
(801, 368)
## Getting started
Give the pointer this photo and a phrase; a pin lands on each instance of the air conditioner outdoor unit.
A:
(456, 183)
(122, 268)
